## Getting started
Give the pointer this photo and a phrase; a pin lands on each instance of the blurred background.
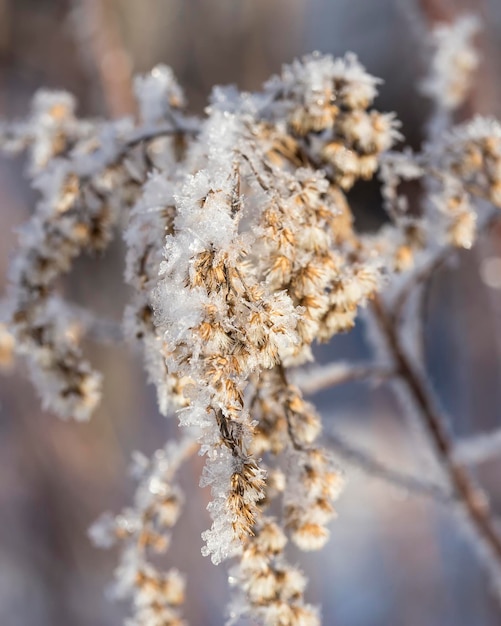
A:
(394, 558)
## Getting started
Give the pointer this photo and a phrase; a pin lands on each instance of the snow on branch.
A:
(478, 448)
(313, 379)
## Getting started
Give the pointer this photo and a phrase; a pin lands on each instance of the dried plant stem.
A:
(172, 129)
(471, 496)
(478, 448)
(418, 280)
(290, 430)
(334, 374)
(373, 467)
(422, 276)
(96, 328)
(437, 11)
(5, 26)
(109, 56)
(137, 138)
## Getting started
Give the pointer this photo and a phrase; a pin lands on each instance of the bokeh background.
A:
(394, 558)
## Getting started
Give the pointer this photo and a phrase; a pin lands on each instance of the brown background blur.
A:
(393, 559)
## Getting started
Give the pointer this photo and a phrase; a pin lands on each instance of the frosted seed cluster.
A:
(454, 61)
(144, 530)
(242, 252)
(271, 589)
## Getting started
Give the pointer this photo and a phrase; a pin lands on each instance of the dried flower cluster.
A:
(156, 596)
(242, 252)
(271, 589)
(453, 63)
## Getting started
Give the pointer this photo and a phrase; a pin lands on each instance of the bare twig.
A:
(437, 11)
(466, 490)
(290, 430)
(5, 26)
(417, 279)
(101, 38)
(98, 329)
(428, 270)
(315, 379)
(135, 139)
(364, 461)
(478, 448)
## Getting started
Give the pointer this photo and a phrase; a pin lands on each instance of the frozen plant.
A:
(242, 252)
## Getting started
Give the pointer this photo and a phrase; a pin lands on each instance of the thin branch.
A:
(5, 26)
(364, 461)
(98, 329)
(264, 186)
(287, 411)
(139, 136)
(435, 11)
(468, 493)
(424, 273)
(315, 379)
(101, 41)
(478, 448)
(422, 306)
(167, 130)
(419, 278)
